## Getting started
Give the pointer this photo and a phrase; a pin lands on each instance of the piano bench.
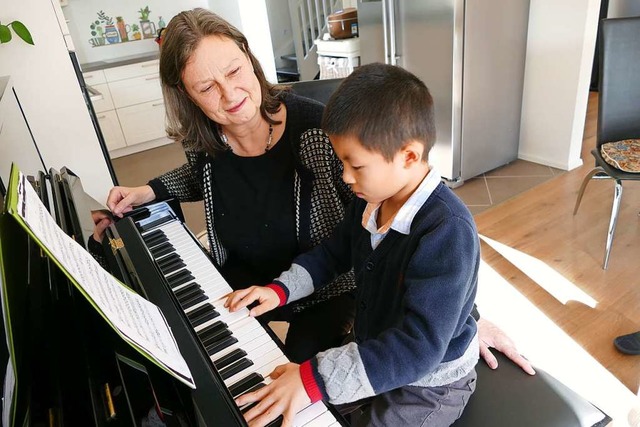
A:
(509, 397)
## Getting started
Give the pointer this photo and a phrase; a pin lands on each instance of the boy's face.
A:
(370, 176)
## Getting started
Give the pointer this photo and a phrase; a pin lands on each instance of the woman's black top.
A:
(254, 213)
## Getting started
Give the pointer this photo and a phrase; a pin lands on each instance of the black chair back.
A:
(619, 98)
(320, 90)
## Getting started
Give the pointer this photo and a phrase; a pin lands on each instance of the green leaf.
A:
(5, 34)
(22, 31)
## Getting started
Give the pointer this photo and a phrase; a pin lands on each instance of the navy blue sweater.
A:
(415, 295)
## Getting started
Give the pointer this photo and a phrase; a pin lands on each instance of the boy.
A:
(414, 250)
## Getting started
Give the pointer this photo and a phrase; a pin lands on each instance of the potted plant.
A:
(148, 27)
(110, 32)
(20, 30)
(98, 34)
(136, 32)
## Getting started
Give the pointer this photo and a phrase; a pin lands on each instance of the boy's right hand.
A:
(122, 199)
(266, 298)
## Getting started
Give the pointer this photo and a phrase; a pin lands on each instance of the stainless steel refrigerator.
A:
(471, 55)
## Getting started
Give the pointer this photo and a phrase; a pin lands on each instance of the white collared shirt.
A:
(401, 221)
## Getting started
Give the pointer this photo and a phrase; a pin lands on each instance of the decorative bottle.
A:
(122, 29)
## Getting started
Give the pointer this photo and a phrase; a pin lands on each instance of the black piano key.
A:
(240, 365)
(172, 265)
(202, 314)
(156, 240)
(153, 235)
(155, 223)
(244, 384)
(188, 291)
(230, 358)
(276, 423)
(168, 260)
(180, 278)
(186, 300)
(221, 345)
(175, 266)
(187, 304)
(211, 330)
(215, 338)
(161, 250)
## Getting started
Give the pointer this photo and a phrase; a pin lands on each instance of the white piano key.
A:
(309, 413)
(325, 419)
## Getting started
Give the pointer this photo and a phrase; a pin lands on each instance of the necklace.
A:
(225, 140)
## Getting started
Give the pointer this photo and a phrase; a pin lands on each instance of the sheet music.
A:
(138, 320)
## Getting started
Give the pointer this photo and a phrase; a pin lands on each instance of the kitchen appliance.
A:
(471, 55)
(343, 23)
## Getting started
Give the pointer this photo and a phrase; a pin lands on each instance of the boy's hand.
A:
(266, 298)
(285, 396)
(492, 336)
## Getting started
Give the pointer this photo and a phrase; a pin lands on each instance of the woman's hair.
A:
(186, 123)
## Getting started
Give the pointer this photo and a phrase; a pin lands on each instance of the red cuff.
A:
(309, 382)
(281, 294)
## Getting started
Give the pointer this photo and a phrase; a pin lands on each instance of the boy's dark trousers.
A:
(413, 406)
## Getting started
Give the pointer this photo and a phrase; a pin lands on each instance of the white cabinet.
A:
(142, 122)
(111, 130)
(131, 112)
(135, 90)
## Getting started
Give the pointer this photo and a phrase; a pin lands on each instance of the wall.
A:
(560, 48)
(80, 14)
(622, 8)
(250, 16)
(280, 25)
(50, 95)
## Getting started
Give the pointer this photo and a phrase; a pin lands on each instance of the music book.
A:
(138, 321)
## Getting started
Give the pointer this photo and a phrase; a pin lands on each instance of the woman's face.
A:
(220, 80)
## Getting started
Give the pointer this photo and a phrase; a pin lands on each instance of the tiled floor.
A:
(496, 186)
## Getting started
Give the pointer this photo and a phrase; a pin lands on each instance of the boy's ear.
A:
(412, 153)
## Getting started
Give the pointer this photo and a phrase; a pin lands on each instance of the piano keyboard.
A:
(243, 353)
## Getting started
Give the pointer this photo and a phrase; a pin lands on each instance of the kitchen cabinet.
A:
(131, 112)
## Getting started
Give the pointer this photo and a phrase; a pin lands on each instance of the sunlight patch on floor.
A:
(548, 347)
(545, 276)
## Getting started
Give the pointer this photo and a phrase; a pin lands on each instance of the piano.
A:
(90, 376)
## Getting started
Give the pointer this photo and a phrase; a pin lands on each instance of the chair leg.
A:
(585, 181)
(615, 209)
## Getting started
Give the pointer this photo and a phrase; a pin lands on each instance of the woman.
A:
(271, 183)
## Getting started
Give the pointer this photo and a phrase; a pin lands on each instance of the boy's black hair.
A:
(384, 107)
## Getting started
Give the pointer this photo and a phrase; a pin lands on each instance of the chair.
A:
(509, 397)
(320, 90)
(617, 152)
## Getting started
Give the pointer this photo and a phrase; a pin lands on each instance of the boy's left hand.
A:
(285, 395)
(266, 298)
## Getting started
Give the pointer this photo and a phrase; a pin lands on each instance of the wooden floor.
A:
(540, 224)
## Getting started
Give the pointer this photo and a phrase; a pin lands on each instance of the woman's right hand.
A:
(122, 199)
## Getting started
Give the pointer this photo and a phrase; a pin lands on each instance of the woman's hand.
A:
(101, 219)
(285, 396)
(492, 336)
(266, 298)
(122, 199)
